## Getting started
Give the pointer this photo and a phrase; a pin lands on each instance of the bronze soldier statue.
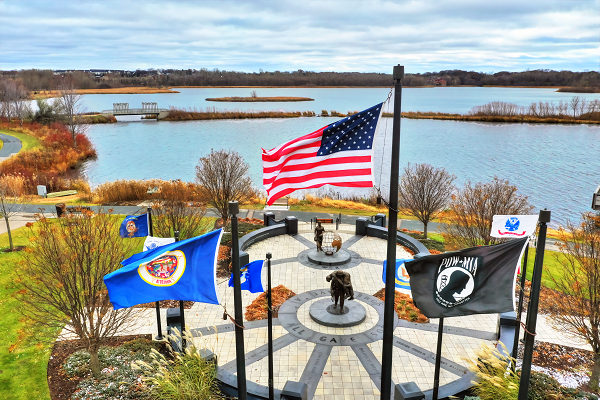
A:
(319, 236)
(341, 288)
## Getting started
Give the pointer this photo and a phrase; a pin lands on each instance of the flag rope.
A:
(525, 329)
(231, 318)
(378, 188)
(384, 135)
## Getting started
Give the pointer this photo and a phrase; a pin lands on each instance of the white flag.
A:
(153, 242)
(513, 226)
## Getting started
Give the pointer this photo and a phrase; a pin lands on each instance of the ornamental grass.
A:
(494, 377)
(133, 190)
(187, 376)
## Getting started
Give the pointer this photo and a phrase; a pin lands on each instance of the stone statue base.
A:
(332, 309)
(339, 258)
(355, 314)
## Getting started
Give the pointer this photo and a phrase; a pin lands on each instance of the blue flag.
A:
(250, 278)
(402, 278)
(134, 226)
(184, 270)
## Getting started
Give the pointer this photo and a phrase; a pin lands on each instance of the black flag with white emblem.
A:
(479, 280)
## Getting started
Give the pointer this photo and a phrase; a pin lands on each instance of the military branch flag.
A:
(250, 277)
(479, 280)
(513, 226)
(339, 154)
(184, 270)
(134, 226)
(152, 242)
(402, 277)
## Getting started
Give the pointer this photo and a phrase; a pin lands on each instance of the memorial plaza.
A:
(342, 363)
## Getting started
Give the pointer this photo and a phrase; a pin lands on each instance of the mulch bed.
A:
(224, 262)
(258, 308)
(61, 386)
(564, 359)
(167, 304)
(559, 357)
(404, 306)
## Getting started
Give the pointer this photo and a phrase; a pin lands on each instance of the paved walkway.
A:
(11, 145)
(333, 368)
(17, 221)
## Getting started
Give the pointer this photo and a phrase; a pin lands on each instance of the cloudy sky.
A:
(348, 35)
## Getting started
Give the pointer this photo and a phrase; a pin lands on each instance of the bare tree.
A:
(575, 104)
(64, 269)
(8, 93)
(472, 209)
(579, 314)
(224, 178)
(425, 191)
(11, 203)
(176, 212)
(70, 104)
(253, 94)
(20, 103)
(583, 106)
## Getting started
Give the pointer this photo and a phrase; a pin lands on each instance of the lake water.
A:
(442, 99)
(556, 166)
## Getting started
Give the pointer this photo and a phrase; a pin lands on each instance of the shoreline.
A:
(265, 99)
(188, 115)
(170, 89)
(48, 94)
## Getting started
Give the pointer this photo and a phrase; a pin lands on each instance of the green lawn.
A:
(23, 370)
(29, 142)
(552, 265)
(22, 365)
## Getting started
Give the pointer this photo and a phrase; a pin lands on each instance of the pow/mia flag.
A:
(479, 280)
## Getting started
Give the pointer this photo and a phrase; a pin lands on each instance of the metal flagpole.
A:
(520, 307)
(438, 359)
(240, 355)
(270, 318)
(390, 279)
(158, 324)
(181, 312)
(534, 298)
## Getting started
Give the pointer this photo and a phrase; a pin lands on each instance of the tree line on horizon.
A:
(43, 80)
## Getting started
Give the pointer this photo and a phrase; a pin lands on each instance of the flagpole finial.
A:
(544, 215)
(398, 72)
(234, 208)
(269, 256)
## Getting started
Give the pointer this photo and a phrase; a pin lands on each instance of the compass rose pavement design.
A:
(333, 361)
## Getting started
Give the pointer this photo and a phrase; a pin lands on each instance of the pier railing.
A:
(135, 111)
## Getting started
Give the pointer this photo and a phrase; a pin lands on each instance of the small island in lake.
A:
(259, 99)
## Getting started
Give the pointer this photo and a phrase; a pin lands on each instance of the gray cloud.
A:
(348, 35)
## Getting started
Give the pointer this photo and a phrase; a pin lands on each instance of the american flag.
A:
(339, 154)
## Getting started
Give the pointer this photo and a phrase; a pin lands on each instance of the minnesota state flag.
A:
(184, 270)
(134, 226)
